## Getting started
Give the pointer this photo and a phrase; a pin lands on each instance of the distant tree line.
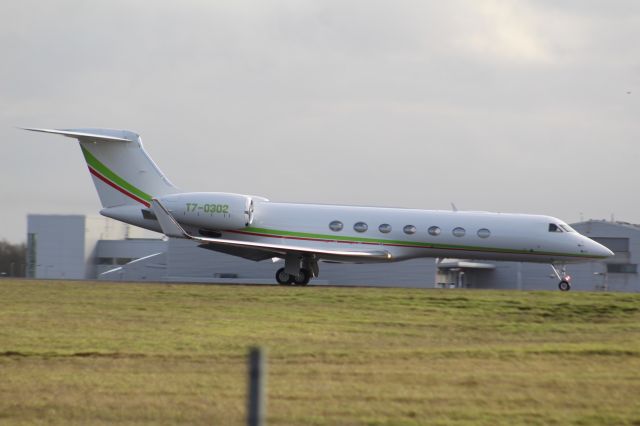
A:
(13, 259)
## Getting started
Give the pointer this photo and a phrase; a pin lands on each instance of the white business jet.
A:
(132, 189)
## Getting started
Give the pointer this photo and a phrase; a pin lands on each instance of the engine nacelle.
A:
(210, 210)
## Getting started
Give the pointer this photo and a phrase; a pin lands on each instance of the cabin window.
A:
(484, 233)
(458, 232)
(434, 230)
(336, 226)
(409, 229)
(360, 227)
(554, 228)
(385, 228)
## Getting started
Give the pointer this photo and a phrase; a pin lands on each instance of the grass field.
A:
(96, 353)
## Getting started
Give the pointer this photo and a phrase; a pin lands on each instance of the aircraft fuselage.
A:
(404, 233)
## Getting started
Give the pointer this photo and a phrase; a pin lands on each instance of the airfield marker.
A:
(256, 396)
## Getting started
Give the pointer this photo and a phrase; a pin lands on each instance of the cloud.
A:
(504, 31)
(418, 102)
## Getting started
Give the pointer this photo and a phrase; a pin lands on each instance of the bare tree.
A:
(13, 258)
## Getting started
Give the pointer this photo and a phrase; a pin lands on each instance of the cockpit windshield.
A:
(560, 227)
(566, 227)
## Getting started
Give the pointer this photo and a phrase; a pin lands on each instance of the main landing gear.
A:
(301, 278)
(298, 270)
(565, 279)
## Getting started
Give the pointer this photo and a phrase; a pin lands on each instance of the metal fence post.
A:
(257, 382)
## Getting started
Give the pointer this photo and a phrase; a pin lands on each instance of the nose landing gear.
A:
(565, 279)
(564, 285)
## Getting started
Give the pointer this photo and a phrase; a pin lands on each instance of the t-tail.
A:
(124, 175)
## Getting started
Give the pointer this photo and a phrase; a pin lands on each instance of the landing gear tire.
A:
(302, 278)
(565, 279)
(564, 285)
(283, 278)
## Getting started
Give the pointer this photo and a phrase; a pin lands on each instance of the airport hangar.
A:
(95, 247)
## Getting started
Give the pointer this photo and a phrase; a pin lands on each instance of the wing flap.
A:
(244, 252)
(172, 228)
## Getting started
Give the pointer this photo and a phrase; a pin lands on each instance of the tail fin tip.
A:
(89, 134)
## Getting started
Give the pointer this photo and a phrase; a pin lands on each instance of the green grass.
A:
(97, 353)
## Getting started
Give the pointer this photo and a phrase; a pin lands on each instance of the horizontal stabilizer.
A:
(79, 134)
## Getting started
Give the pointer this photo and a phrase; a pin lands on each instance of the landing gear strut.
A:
(565, 279)
(298, 270)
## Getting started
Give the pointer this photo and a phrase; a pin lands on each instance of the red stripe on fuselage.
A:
(116, 187)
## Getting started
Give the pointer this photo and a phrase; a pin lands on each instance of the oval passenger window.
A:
(360, 227)
(484, 233)
(458, 232)
(409, 229)
(385, 228)
(336, 226)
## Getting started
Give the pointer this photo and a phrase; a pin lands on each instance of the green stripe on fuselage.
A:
(106, 172)
(417, 244)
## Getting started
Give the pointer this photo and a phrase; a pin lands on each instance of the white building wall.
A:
(148, 268)
(64, 246)
(519, 276)
(416, 273)
(100, 228)
(56, 246)
(110, 254)
(185, 259)
(596, 272)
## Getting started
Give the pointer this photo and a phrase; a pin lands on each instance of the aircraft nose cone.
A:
(599, 250)
(607, 252)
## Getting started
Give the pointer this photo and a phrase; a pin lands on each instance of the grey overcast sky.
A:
(513, 106)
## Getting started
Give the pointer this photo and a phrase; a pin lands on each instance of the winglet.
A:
(170, 226)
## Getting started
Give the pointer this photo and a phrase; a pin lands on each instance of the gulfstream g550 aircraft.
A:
(132, 189)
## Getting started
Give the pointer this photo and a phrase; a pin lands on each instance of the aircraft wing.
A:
(171, 228)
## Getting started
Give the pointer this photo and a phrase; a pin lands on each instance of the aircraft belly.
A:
(488, 255)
